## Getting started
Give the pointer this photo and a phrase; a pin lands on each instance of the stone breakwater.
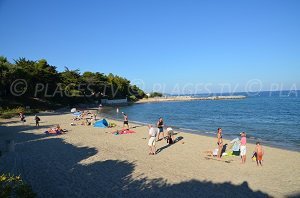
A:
(189, 98)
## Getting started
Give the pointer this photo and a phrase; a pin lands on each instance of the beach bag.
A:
(215, 152)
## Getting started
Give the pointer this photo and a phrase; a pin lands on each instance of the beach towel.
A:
(53, 132)
(101, 123)
(235, 144)
(123, 131)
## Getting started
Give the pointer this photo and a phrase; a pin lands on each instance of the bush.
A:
(9, 113)
(13, 186)
(155, 94)
(132, 98)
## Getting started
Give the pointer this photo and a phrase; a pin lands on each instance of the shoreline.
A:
(89, 161)
(203, 132)
(188, 98)
(212, 134)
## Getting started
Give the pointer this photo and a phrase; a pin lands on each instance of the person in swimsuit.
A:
(219, 142)
(243, 147)
(125, 121)
(160, 126)
(259, 153)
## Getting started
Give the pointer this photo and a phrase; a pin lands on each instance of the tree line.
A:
(25, 79)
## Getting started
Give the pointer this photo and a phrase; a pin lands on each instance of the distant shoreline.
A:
(189, 98)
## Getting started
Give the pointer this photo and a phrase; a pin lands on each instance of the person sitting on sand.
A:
(219, 142)
(152, 136)
(243, 149)
(56, 130)
(160, 126)
(259, 153)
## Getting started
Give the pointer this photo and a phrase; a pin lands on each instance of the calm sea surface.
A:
(270, 117)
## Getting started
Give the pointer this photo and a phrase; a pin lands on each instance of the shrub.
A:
(14, 186)
(9, 113)
(155, 94)
(132, 98)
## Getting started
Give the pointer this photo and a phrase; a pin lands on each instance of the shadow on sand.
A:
(55, 168)
(168, 145)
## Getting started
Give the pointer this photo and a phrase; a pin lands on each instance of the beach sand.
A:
(92, 162)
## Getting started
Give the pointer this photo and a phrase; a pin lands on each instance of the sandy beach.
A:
(92, 162)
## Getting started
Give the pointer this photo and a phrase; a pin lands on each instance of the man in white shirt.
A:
(152, 136)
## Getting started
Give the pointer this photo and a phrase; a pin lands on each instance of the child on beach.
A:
(37, 120)
(259, 153)
(22, 117)
(243, 147)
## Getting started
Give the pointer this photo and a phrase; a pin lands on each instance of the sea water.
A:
(270, 117)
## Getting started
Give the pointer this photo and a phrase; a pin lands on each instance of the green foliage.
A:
(14, 186)
(133, 98)
(12, 112)
(155, 94)
(45, 83)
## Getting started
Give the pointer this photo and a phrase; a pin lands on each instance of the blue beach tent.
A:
(101, 123)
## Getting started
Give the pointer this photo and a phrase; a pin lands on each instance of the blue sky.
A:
(165, 45)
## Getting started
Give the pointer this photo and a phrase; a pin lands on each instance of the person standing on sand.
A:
(160, 126)
(22, 117)
(243, 149)
(152, 136)
(259, 153)
(219, 142)
(125, 120)
(37, 120)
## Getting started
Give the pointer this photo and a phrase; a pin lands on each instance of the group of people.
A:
(36, 119)
(86, 117)
(257, 154)
(155, 134)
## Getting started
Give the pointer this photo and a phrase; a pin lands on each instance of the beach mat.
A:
(53, 132)
(122, 132)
